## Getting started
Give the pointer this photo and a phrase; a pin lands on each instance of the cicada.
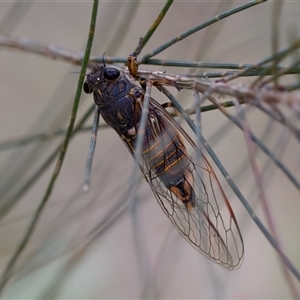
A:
(189, 194)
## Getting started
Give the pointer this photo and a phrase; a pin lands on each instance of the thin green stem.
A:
(252, 69)
(8, 271)
(199, 27)
(154, 26)
(277, 56)
(277, 74)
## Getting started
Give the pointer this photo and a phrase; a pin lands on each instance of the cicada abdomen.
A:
(165, 154)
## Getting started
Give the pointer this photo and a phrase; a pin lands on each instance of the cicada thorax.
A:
(115, 100)
(166, 156)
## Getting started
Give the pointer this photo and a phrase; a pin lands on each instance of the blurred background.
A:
(102, 244)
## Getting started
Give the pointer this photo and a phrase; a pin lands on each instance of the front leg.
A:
(132, 60)
(132, 65)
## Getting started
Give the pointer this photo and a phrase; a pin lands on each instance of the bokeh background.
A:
(102, 244)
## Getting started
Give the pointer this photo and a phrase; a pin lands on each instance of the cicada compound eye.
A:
(86, 88)
(111, 74)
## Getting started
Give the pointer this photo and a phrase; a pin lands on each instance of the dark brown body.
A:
(164, 154)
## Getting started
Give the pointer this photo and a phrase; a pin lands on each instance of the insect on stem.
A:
(188, 191)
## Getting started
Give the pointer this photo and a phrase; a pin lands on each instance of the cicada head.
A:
(99, 77)
(107, 84)
(94, 79)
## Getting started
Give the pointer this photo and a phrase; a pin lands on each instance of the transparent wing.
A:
(205, 218)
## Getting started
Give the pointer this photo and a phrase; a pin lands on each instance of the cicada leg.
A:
(132, 65)
(132, 60)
